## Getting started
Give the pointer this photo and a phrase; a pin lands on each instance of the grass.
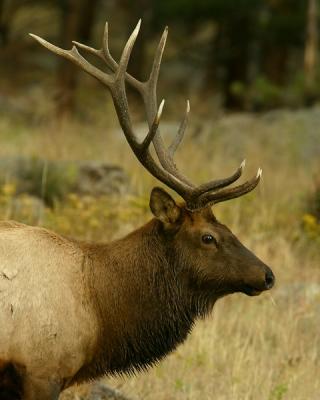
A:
(264, 348)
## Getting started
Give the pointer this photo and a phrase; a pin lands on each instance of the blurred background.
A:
(251, 71)
(238, 55)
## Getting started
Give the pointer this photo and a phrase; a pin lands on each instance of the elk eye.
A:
(208, 239)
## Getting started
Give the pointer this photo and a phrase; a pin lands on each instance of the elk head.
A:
(219, 263)
(194, 238)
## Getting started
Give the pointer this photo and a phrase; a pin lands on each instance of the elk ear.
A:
(164, 207)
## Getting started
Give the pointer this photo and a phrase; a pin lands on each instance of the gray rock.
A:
(98, 178)
(100, 391)
(50, 180)
(95, 391)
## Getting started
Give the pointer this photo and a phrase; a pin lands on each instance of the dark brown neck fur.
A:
(146, 301)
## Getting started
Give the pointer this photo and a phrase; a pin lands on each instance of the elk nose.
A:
(269, 279)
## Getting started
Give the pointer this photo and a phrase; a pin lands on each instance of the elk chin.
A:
(251, 291)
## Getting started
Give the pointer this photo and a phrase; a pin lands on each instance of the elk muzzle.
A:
(259, 281)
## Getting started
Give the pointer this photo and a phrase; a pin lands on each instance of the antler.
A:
(166, 172)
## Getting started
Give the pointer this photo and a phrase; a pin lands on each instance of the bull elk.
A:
(71, 311)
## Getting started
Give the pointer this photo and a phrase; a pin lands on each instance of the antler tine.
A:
(220, 183)
(96, 52)
(231, 193)
(105, 55)
(153, 130)
(154, 74)
(149, 95)
(125, 56)
(118, 92)
(74, 56)
(179, 136)
(105, 47)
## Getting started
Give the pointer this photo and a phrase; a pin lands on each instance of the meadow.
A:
(260, 348)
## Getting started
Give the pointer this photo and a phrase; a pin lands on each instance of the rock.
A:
(98, 178)
(51, 180)
(101, 391)
(94, 391)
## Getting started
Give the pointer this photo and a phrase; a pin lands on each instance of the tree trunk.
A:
(311, 45)
(7, 10)
(236, 69)
(76, 24)
(235, 40)
(275, 63)
(4, 28)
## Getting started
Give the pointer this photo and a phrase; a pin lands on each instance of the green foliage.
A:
(263, 94)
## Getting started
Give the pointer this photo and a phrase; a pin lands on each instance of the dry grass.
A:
(264, 348)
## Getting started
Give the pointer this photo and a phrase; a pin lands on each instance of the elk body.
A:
(72, 311)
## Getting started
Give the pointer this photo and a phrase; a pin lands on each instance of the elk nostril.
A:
(269, 279)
